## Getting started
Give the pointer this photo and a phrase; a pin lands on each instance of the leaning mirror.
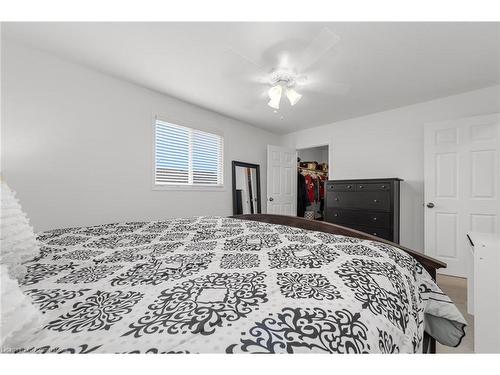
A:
(246, 188)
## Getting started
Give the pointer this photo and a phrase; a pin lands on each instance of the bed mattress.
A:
(223, 285)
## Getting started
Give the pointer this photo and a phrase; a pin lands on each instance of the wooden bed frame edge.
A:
(429, 263)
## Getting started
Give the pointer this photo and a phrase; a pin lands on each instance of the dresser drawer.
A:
(369, 200)
(340, 187)
(374, 219)
(384, 233)
(373, 186)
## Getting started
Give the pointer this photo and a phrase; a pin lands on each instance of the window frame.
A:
(185, 187)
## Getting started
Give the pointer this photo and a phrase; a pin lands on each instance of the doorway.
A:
(312, 173)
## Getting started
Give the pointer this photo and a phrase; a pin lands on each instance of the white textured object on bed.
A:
(18, 316)
(17, 240)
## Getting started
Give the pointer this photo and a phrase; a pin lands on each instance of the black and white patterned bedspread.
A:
(212, 284)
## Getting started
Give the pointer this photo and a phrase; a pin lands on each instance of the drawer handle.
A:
(374, 233)
(383, 186)
(349, 186)
(361, 186)
(336, 199)
(335, 215)
(374, 219)
(375, 200)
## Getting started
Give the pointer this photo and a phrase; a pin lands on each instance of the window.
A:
(185, 156)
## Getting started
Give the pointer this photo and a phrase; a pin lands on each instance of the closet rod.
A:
(312, 170)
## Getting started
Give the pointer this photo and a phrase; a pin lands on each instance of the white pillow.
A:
(17, 240)
(19, 318)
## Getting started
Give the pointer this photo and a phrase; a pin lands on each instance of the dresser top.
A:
(366, 180)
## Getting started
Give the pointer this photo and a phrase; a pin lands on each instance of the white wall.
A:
(390, 144)
(77, 145)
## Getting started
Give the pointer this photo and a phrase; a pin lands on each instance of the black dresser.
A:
(370, 206)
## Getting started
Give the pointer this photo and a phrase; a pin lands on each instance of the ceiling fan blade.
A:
(318, 47)
(245, 58)
(243, 68)
(330, 88)
(258, 68)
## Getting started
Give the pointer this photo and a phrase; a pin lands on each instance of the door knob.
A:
(271, 199)
(430, 205)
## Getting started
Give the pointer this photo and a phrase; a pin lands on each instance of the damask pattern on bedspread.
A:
(222, 285)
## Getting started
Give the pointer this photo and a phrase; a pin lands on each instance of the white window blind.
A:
(185, 156)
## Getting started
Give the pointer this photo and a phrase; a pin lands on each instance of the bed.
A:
(243, 284)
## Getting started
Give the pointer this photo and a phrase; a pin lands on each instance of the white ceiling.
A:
(386, 65)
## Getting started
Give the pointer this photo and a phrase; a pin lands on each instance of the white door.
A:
(461, 170)
(281, 181)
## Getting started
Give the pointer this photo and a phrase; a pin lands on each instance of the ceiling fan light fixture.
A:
(275, 96)
(274, 104)
(293, 96)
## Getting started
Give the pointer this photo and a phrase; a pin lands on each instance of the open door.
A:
(281, 180)
(461, 186)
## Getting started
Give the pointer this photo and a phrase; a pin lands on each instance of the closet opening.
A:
(312, 173)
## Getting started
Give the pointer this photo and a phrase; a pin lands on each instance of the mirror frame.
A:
(246, 165)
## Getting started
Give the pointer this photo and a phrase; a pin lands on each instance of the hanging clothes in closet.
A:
(310, 190)
(302, 198)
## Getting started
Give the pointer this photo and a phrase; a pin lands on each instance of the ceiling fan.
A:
(288, 76)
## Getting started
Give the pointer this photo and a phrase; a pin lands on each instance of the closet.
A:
(312, 173)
